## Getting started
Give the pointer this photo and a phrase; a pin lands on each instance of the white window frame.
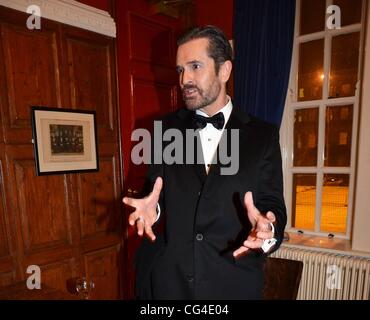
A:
(287, 126)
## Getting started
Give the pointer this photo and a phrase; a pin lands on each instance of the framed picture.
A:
(65, 140)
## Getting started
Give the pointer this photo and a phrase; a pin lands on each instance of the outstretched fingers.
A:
(140, 225)
(271, 216)
(133, 218)
(251, 243)
(145, 211)
(240, 252)
(149, 231)
(157, 188)
(132, 202)
(252, 212)
(265, 235)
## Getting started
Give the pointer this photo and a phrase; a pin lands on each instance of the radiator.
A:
(330, 276)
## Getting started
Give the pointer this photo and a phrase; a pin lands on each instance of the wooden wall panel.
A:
(101, 224)
(100, 266)
(42, 203)
(7, 279)
(31, 77)
(4, 236)
(55, 275)
(8, 265)
(98, 198)
(91, 80)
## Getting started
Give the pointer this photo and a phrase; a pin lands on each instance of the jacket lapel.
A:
(237, 121)
(197, 166)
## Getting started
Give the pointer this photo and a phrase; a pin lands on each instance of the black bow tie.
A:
(217, 121)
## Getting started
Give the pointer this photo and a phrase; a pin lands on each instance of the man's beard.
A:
(194, 103)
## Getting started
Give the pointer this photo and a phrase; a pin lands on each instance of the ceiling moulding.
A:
(69, 12)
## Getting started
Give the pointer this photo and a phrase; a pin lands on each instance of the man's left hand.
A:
(261, 227)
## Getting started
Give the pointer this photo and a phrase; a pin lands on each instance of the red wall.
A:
(216, 12)
(100, 4)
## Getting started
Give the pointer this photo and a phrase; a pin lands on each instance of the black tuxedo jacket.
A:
(204, 219)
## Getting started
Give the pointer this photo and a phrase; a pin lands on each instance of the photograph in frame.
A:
(65, 140)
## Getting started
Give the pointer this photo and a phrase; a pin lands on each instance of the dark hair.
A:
(219, 48)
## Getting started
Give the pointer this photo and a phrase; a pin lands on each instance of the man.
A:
(214, 225)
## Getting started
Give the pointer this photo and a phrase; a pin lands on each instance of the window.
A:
(321, 118)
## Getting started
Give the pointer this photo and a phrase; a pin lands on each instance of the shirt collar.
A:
(226, 110)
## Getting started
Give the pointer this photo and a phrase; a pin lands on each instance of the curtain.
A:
(263, 40)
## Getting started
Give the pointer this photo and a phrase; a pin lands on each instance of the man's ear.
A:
(225, 71)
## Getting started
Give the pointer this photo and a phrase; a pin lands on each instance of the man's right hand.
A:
(145, 213)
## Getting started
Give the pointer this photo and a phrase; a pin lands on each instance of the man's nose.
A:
(186, 78)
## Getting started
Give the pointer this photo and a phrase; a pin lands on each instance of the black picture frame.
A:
(65, 140)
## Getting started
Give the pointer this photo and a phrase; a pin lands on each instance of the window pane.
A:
(312, 16)
(306, 126)
(310, 70)
(338, 136)
(334, 203)
(350, 11)
(304, 201)
(344, 65)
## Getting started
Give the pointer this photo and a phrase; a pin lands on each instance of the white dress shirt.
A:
(210, 136)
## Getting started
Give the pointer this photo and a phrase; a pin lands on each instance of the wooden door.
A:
(70, 225)
(148, 87)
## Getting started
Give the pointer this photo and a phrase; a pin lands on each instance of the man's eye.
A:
(179, 70)
(196, 66)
